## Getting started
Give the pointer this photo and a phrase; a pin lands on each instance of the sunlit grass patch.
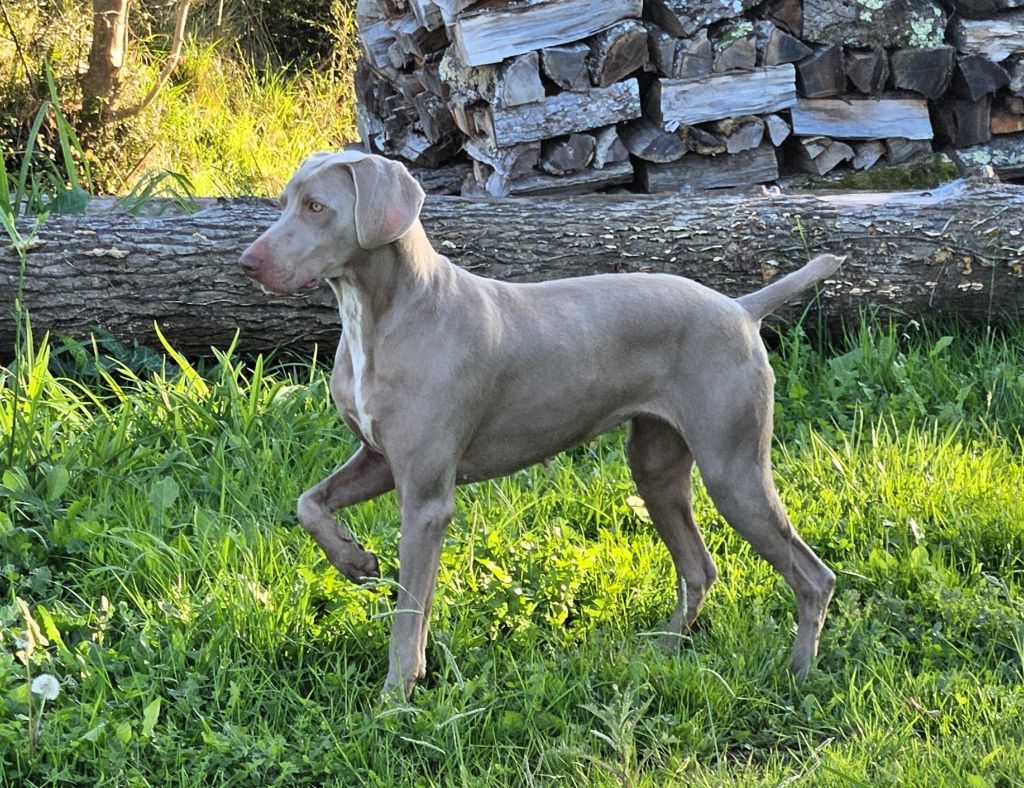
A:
(233, 129)
(235, 119)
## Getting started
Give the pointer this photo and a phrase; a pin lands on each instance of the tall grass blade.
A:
(156, 184)
(69, 145)
(24, 199)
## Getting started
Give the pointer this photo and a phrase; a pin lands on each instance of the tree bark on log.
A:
(955, 250)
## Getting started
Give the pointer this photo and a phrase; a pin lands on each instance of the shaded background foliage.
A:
(270, 33)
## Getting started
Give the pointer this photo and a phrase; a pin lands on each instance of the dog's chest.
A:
(353, 365)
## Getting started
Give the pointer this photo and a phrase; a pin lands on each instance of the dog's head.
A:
(336, 207)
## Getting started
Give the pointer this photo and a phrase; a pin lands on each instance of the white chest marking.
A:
(351, 310)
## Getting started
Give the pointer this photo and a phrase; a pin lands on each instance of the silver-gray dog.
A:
(449, 378)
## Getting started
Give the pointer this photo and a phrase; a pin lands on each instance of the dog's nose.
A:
(250, 261)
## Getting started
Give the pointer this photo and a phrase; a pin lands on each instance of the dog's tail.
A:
(766, 300)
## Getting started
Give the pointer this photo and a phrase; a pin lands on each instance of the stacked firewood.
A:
(984, 120)
(556, 96)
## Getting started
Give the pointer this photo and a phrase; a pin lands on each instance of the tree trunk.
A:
(956, 250)
(101, 83)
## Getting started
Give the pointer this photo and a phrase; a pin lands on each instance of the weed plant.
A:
(199, 637)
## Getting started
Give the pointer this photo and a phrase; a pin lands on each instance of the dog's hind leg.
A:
(661, 463)
(738, 476)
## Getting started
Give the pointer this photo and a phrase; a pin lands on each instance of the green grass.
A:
(234, 120)
(200, 638)
(232, 129)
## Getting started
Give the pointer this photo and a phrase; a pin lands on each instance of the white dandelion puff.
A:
(46, 685)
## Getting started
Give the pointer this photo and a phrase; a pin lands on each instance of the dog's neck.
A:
(405, 270)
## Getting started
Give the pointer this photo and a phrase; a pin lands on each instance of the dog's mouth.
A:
(304, 287)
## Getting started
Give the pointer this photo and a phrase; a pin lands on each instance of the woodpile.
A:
(568, 96)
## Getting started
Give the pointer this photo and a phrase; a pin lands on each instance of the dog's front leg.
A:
(426, 510)
(366, 475)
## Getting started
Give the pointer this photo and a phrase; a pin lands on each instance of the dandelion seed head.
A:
(46, 685)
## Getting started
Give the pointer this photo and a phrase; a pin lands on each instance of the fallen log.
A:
(955, 250)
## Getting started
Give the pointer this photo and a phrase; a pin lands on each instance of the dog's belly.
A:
(499, 448)
(580, 357)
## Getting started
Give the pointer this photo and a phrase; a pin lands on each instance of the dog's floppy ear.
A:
(388, 200)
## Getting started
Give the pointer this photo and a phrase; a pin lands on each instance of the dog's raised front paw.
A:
(360, 566)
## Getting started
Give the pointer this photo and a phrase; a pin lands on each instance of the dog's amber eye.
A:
(315, 207)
